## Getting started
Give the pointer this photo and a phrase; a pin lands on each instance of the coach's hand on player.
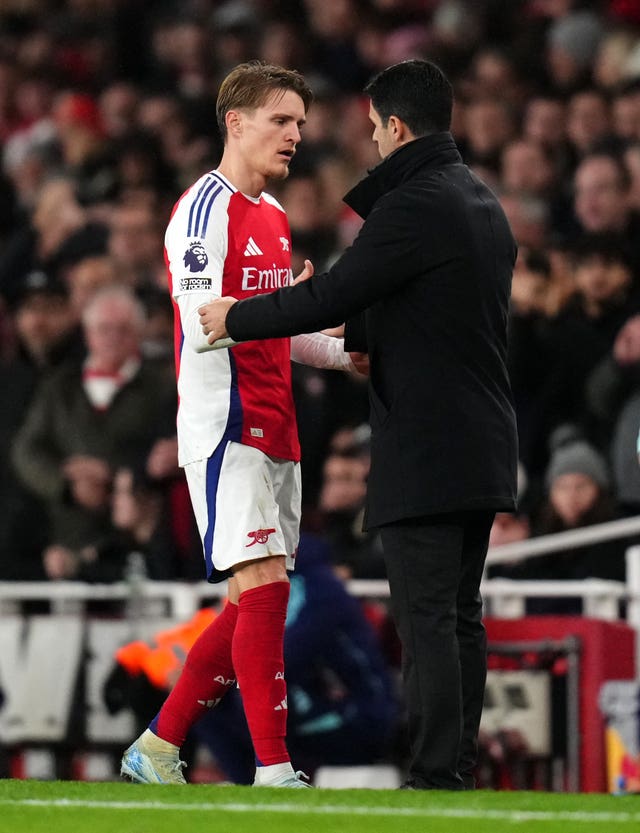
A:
(213, 318)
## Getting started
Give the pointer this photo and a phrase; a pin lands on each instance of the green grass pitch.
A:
(75, 807)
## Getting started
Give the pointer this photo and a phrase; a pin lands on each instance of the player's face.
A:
(270, 134)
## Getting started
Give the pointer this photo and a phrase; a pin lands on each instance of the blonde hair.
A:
(249, 86)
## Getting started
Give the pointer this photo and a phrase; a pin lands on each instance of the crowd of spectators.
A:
(107, 112)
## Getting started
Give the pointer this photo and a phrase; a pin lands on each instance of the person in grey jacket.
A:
(424, 290)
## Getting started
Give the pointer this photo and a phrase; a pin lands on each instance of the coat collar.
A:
(424, 153)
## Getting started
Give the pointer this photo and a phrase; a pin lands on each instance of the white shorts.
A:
(247, 506)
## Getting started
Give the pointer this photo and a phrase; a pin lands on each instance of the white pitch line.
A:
(327, 809)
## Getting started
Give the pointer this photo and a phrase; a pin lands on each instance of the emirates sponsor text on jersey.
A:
(255, 279)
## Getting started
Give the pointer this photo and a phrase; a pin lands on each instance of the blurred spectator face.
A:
(562, 67)
(322, 119)
(135, 239)
(572, 496)
(456, 25)
(588, 120)
(163, 116)
(551, 8)
(529, 288)
(335, 20)
(572, 42)
(371, 44)
(42, 320)
(36, 50)
(33, 98)
(626, 115)
(544, 122)
(56, 215)
(281, 44)
(335, 180)
(118, 109)
(599, 280)
(302, 200)
(344, 484)
(526, 167)
(488, 126)
(86, 277)
(632, 161)
(601, 200)
(494, 75)
(158, 334)
(113, 322)
(355, 133)
(79, 126)
(8, 80)
(182, 45)
(157, 112)
(528, 218)
(27, 169)
(610, 63)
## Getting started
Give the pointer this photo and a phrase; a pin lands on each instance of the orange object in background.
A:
(162, 659)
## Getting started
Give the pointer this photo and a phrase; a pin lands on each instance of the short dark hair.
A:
(607, 247)
(250, 85)
(417, 92)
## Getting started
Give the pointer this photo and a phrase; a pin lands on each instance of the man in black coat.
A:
(431, 273)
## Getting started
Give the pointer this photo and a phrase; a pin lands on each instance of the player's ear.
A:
(233, 120)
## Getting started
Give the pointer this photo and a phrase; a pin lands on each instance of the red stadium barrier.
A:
(607, 653)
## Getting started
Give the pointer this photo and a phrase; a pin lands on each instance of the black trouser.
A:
(434, 566)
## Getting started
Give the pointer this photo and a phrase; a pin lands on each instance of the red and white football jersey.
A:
(221, 242)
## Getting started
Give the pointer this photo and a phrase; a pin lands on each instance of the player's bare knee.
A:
(261, 571)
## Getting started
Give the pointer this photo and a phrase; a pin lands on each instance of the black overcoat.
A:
(431, 271)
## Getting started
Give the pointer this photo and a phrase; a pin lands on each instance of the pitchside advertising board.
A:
(52, 675)
(53, 671)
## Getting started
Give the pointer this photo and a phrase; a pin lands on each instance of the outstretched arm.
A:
(386, 254)
(213, 315)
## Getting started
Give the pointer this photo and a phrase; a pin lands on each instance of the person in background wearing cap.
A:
(45, 334)
(84, 149)
(572, 44)
(577, 493)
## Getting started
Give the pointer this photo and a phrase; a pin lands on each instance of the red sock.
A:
(259, 664)
(205, 679)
